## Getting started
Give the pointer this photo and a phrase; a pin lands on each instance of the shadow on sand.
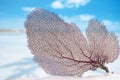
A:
(26, 67)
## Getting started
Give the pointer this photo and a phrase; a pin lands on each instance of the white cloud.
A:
(80, 20)
(76, 3)
(112, 25)
(81, 17)
(86, 17)
(58, 4)
(28, 9)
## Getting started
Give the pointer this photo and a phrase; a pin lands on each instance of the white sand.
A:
(96, 77)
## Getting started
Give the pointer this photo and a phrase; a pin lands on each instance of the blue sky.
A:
(14, 12)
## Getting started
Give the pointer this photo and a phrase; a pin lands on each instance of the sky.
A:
(13, 13)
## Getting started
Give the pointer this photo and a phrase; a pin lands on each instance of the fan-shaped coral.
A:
(61, 49)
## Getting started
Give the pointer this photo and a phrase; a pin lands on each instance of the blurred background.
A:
(15, 57)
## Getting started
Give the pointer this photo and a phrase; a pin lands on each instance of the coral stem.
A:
(102, 66)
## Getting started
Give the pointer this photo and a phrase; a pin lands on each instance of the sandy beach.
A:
(16, 59)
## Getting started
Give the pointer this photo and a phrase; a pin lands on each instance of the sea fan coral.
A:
(61, 49)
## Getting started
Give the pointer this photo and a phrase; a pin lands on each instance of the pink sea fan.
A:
(61, 49)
